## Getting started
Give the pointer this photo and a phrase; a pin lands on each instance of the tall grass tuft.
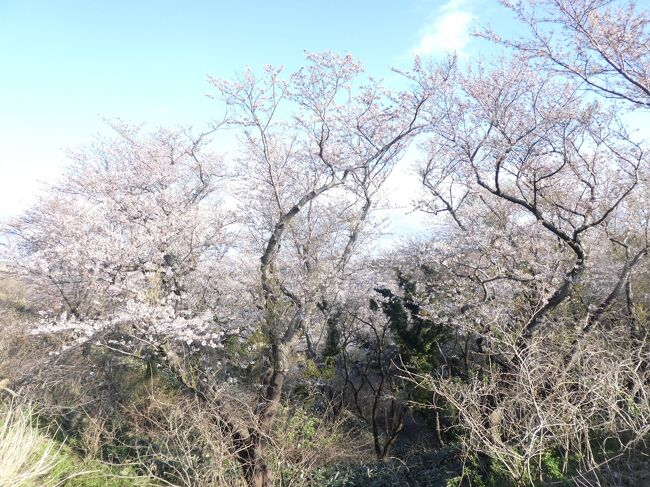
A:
(25, 455)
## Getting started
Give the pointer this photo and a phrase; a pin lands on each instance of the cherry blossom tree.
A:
(316, 149)
(601, 43)
(540, 178)
(135, 237)
(533, 146)
(131, 229)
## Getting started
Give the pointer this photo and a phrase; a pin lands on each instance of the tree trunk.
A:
(253, 461)
(252, 455)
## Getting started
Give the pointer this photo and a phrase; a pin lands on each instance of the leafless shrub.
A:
(177, 441)
(370, 386)
(305, 441)
(585, 402)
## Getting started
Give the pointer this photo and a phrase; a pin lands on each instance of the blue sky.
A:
(66, 65)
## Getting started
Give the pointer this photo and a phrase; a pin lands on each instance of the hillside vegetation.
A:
(175, 315)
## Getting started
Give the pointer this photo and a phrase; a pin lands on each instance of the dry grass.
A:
(25, 455)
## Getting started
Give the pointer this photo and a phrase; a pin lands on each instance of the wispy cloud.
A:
(448, 30)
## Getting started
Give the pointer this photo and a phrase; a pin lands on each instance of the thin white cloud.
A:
(448, 32)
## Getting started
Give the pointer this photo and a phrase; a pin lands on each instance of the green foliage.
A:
(300, 427)
(474, 474)
(418, 336)
(314, 371)
(333, 335)
(552, 465)
(75, 471)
